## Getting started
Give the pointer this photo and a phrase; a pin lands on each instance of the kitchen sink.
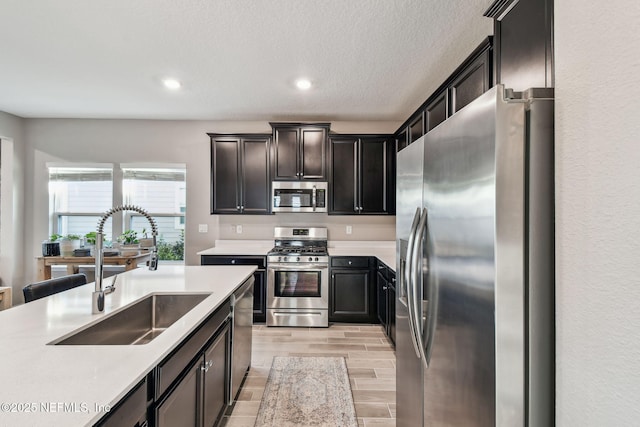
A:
(138, 323)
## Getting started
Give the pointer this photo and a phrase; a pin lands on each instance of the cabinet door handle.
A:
(384, 288)
(233, 261)
(238, 207)
(206, 365)
(350, 262)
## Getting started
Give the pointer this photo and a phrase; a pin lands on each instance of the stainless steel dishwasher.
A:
(241, 327)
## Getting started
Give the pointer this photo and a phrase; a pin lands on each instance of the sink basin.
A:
(138, 323)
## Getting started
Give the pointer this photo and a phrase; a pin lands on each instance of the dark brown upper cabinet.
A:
(362, 176)
(470, 80)
(437, 111)
(299, 151)
(401, 139)
(240, 179)
(416, 127)
(523, 43)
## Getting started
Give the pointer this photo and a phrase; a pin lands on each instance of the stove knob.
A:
(316, 258)
(310, 258)
(279, 258)
(298, 259)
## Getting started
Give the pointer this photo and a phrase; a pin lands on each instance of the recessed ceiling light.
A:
(303, 84)
(172, 84)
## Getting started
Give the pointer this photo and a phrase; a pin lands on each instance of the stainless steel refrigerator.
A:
(475, 257)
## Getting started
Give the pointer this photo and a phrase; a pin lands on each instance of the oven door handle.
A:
(297, 267)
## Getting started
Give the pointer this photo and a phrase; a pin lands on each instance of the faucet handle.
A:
(153, 261)
(111, 288)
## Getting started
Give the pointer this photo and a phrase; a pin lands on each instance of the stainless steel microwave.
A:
(298, 196)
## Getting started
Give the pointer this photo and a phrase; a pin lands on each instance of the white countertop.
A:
(72, 380)
(385, 251)
(239, 247)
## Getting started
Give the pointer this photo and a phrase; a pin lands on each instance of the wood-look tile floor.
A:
(371, 364)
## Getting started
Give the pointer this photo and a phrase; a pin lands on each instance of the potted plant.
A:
(90, 241)
(68, 244)
(146, 242)
(129, 243)
(51, 247)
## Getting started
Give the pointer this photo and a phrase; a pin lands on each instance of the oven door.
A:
(298, 286)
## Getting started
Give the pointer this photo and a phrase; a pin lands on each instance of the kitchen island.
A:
(65, 385)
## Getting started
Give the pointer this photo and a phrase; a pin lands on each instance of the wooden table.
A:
(73, 262)
(5, 297)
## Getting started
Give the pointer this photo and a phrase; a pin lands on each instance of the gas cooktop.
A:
(299, 244)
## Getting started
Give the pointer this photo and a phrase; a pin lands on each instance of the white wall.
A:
(134, 141)
(598, 212)
(12, 198)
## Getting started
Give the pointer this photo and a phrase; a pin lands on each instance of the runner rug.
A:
(307, 391)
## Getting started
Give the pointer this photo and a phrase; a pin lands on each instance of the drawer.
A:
(132, 409)
(350, 261)
(392, 279)
(171, 367)
(258, 261)
(383, 270)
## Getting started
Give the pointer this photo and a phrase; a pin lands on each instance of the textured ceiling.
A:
(237, 59)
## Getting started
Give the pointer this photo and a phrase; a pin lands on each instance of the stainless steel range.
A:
(298, 278)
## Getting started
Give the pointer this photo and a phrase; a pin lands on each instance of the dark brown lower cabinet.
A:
(180, 406)
(259, 276)
(386, 300)
(214, 368)
(199, 397)
(351, 291)
(189, 387)
(381, 299)
(391, 326)
(130, 411)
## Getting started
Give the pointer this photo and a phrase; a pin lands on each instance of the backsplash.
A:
(260, 227)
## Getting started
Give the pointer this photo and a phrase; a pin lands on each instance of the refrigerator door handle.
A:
(408, 285)
(402, 298)
(416, 298)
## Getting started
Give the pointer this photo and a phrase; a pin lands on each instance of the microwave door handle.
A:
(313, 198)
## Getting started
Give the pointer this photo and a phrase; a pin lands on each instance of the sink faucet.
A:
(97, 305)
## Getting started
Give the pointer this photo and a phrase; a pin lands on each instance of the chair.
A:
(45, 288)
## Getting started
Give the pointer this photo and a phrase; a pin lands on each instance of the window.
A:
(161, 191)
(78, 196)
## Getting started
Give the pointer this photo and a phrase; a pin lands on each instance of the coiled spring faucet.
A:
(97, 305)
